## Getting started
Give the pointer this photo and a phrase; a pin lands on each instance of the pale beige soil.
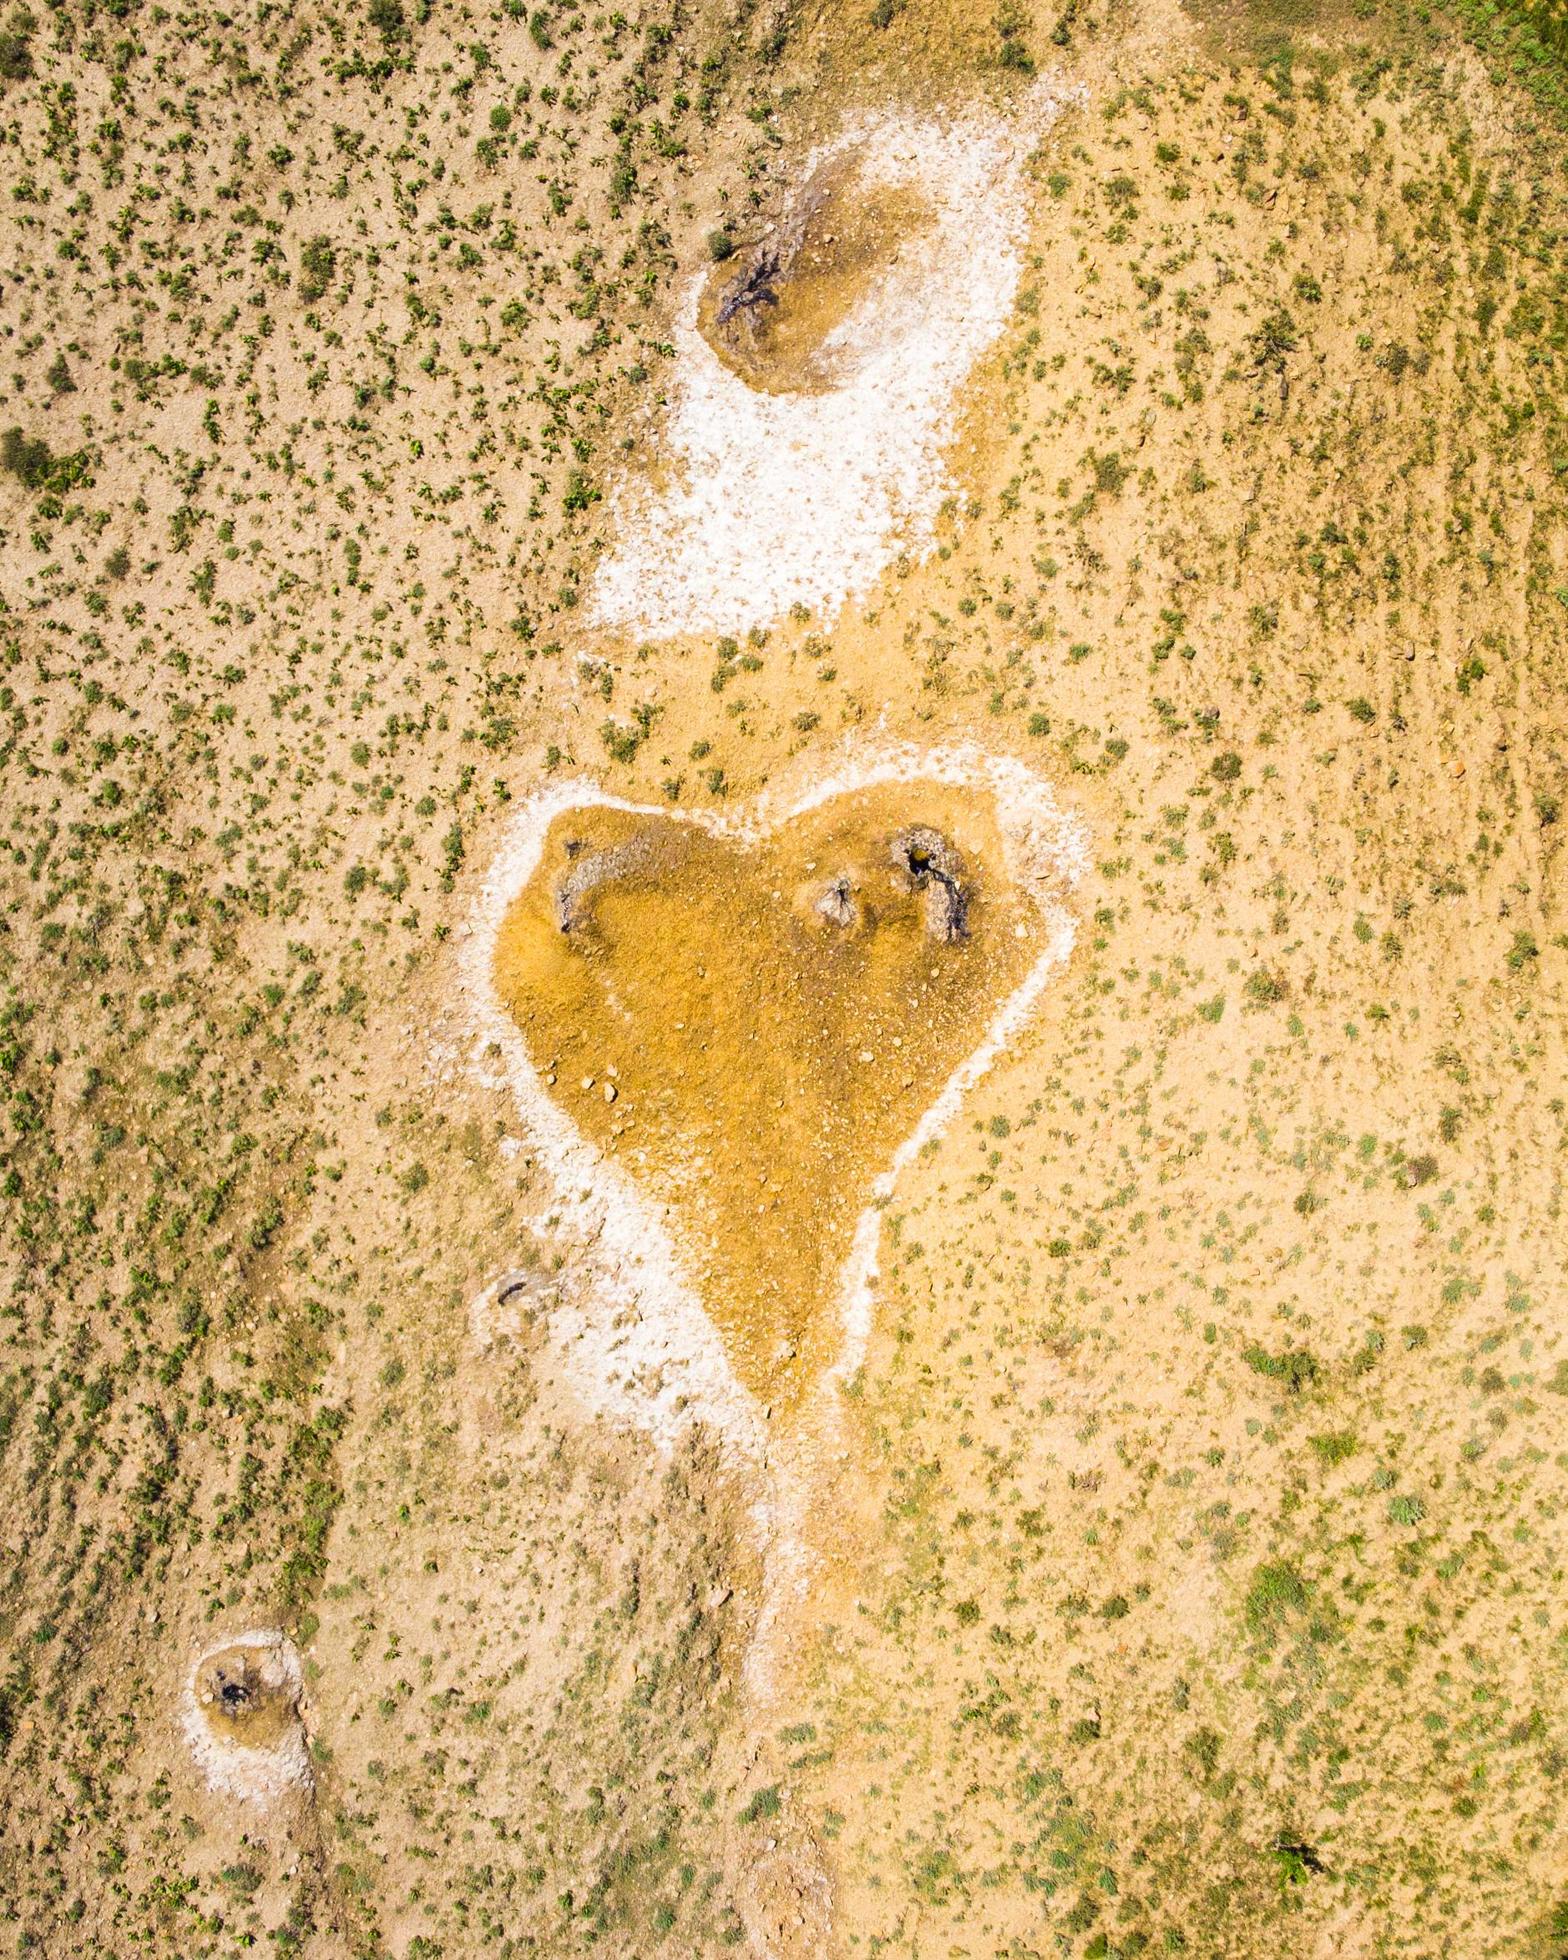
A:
(1184, 1567)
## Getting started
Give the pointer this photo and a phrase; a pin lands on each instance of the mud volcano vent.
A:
(241, 1715)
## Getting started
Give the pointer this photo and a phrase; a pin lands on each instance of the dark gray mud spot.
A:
(836, 903)
(929, 864)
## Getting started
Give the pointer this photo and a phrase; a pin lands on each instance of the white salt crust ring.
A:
(231, 1768)
(778, 500)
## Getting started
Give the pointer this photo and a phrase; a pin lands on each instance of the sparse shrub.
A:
(580, 493)
(31, 459)
(317, 264)
(1295, 1859)
(1396, 360)
(16, 57)
(1010, 25)
(1264, 988)
(1273, 341)
(1277, 1591)
(1203, 1745)
(1110, 472)
(1297, 1368)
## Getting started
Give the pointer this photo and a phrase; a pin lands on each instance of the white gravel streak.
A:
(784, 500)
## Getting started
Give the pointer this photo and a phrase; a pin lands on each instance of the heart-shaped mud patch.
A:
(750, 1022)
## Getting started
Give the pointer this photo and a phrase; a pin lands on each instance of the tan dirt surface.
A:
(1179, 1569)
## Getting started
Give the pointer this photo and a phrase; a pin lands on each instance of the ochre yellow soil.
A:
(749, 1060)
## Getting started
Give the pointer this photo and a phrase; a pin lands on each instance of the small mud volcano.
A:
(242, 1717)
(508, 1308)
(752, 1027)
(798, 311)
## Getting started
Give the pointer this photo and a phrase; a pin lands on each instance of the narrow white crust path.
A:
(633, 1339)
(630, 1331)
(777, 500)
(254, 1775)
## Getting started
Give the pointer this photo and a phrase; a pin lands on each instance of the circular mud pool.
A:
(241, 1714)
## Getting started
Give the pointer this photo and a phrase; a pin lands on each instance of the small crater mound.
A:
(242, 1717)
(589, 869)
(836, 904)
(798, 315)
(643, 856)
(924, 861)
(509, 1307)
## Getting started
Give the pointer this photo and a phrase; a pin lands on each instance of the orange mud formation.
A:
(811, 274)
(752, 1028)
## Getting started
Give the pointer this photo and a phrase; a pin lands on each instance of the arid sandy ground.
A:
(1187, 1572)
